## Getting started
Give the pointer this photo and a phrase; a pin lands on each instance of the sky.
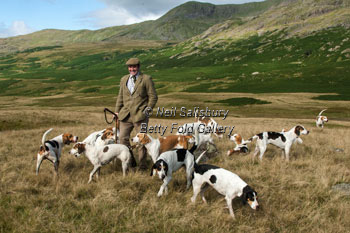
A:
(19, 17)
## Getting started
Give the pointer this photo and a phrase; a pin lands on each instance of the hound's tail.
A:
(251, 139)
(244, 142)
(194, 147)
(200, 157)
(43, 139)
(196, 141)
(321, 112)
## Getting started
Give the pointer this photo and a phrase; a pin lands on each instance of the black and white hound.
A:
(223, 181)
(51, 149)
(171, 161)
(283, 140)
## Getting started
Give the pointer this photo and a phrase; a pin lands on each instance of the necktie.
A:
(131, 84)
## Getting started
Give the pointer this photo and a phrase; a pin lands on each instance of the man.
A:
(137, 96)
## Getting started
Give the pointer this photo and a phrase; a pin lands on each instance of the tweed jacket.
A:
(144, 95)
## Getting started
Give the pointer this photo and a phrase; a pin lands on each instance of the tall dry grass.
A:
(295, 196)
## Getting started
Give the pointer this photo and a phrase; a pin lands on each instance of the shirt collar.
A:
(137, 75)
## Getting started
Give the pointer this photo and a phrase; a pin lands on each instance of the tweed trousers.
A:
(125, 128)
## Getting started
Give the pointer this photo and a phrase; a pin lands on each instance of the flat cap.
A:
(133, 61)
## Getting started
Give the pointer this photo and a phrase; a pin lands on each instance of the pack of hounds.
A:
(172, 152)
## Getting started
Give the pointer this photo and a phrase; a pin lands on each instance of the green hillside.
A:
(316, 63)
(279, 59)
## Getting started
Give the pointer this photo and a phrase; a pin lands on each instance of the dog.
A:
(106, 133)
(320, 120)
(241, 145)
(102, 155)
(212, 126)
(171, 161)
(203, 141)
(207, 125)
(107, 137)
(52, 149)
(155, 147)
(297, 141)
(283, 140)
(225, 182)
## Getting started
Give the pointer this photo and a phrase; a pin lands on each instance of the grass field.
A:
(295, 197)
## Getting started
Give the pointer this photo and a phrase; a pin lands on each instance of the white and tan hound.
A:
(204, 124)
(241, 145)
(320, 120)
(157, 146)
(212, 126)
(283, 140)
(97, 136)
(52, 149)
(102, 155)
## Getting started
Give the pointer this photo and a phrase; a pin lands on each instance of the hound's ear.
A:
(152, 169)
(166, 169)
(244, 198)
(81, 148)
(142, 136)
(297, 130)
(144, 139)
(239, 139)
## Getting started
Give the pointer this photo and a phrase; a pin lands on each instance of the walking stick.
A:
(115, 118)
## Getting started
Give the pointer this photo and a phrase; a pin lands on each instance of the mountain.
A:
(294, 17)
(180, 23)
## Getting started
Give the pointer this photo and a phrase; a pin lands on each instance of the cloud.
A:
(116, 16)
(140, 7)
(124, 12)
(16, 28)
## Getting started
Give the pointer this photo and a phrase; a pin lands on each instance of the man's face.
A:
(133, 69)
